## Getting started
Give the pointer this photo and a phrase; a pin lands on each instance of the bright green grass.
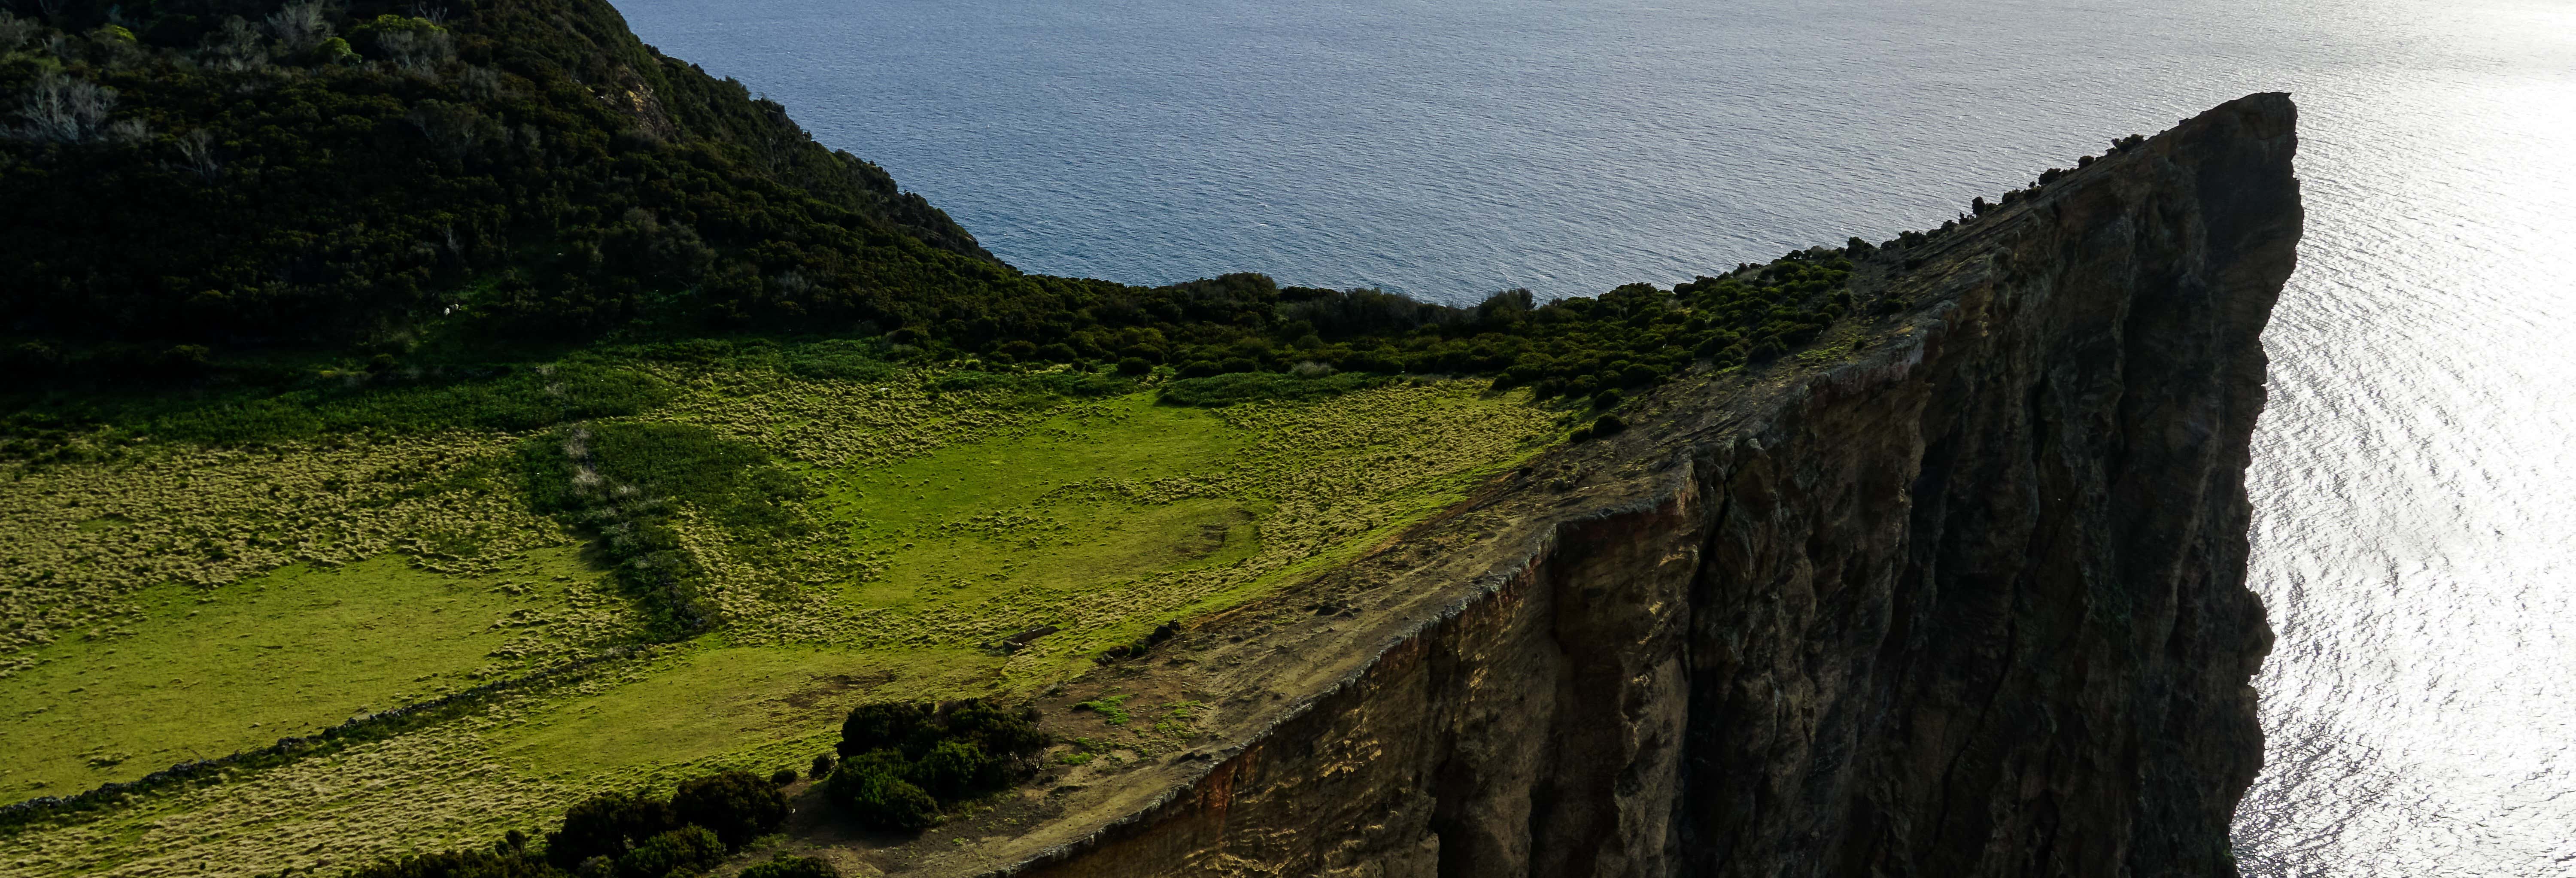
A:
(1009, 516)
(210, 672)
(941, 522)
(1128, 438)
(718, 699)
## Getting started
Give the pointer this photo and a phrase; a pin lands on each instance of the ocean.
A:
(2414, 479)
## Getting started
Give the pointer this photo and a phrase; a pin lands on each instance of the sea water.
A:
(2414, 480)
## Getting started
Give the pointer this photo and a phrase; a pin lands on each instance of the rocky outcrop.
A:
(1967, 600)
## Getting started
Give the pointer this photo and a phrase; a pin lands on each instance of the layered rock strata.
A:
(1961, 594)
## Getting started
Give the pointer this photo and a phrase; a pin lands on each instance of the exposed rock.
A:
(1967, 601)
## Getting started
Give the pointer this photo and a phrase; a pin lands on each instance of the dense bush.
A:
(874, 788)
(606, 826)
(902, 760)
(687, 850)
(358, 173)
(887, 726)
(737, 805)
(523, 399)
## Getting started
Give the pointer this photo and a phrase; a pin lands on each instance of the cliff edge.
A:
(1959, 594)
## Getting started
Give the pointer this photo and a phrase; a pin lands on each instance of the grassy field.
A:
(208, 672)
(325, 577)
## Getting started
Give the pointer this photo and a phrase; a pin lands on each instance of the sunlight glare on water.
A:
(2414, 479)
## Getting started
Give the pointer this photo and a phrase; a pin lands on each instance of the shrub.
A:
(783, 776)
(902, 760)
(884, 726)
(604, 825)
(688, 850)
(334, 51)
(1608, 399)
(999, 730)
(872, 787)
(1608, 425)
(1198, 369)
(737, 805)
(955, 769)
(1134, 366)
(822, 767)
(792, 867)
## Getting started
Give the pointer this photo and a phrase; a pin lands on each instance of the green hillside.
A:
(310, 580)
(426, 419)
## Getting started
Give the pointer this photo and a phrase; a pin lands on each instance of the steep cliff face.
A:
(1968, 601)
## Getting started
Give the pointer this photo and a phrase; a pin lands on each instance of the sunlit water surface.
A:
(2414, 481)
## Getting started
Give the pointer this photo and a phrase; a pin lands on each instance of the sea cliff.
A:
(1959, 594)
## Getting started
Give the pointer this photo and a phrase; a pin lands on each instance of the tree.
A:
(65, 109)
(198, 147)
(300, 25)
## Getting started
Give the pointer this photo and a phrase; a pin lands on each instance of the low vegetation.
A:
(630, 836)
(889, 529)
(899, 763)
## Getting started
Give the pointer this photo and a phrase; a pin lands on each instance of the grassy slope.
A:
(942, 520)
(209, 672)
